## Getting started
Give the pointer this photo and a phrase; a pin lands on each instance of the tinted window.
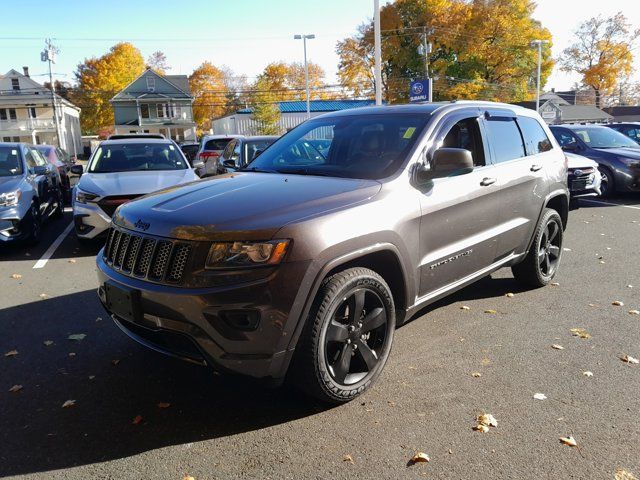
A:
(359, 146)
(466, 134)
(10, 163)
(564, 137)
(217, 144)
(29, 158)
(505, 139)
(127, 157)
(255, 146)
(633, 133)
(603, 137)
(535, 138)
(39, 158)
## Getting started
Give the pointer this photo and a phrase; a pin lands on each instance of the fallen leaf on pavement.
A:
(491, 311)
(77, 336)
(48, 343)
(580, 332)
(16, 276)
(164, 405)
(634, 312)
(91, 377)
(629, 286)
(487, 419)
(566, 249)
(188, 477)
(476, 374)
(99, 319)
(71, 260)
(554, 284)
(115, 362)
(569, 441)
(347, 458)
(464, 307)
(510, 295)
(617, 303)
(557, 347)
(622, 474)
(72, 354)
(540, 396)
(629, 359)
(11, 353)
(137, 419)
(43, 295)
(486, 361)
(481, 428)
(588, 373)
(68, 403)
(15, 388)
(419, 457)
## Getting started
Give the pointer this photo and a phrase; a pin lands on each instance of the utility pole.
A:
(538, 43)
(377, 51)
(306, 68)
(425, 49)
(49, 55)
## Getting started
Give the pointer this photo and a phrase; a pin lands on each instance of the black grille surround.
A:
(155, 259)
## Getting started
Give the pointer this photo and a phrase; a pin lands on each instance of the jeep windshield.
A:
(10, 163)
(354, 146)
(604, 137)
(130, 157)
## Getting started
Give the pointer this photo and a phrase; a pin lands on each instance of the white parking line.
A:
(609, 203)
(54, 246)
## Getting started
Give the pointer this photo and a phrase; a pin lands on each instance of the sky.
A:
(244, 35)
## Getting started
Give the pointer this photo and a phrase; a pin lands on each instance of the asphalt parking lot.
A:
(138, 414)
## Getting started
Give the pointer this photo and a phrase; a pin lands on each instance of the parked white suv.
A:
(207, 160)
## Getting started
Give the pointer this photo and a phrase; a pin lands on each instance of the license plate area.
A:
(123, 301)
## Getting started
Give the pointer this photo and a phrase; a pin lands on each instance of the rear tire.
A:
(541, 262)
(59, 211)
(347, 339)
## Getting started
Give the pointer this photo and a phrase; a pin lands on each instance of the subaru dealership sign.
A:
(420, 91)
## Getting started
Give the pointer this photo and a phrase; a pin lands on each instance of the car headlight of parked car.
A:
(246, 254)
(85, 197)
(10, 199)
(631, 162)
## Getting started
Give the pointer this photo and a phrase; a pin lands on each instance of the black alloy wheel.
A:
(549, 248)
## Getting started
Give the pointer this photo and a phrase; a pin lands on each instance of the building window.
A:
(6, 139)
(12, 114)
(144, 110)
(151, 84)
(15, 84)
(161, 110)
(3, 114)
(32, 112)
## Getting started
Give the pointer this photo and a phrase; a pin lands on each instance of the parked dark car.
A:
(55, 157)
(301, 265)
(190, 150)
(629, 129)
(618, 156)
(241, 151)
(30, 192)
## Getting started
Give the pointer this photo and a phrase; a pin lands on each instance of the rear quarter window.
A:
(535, 139)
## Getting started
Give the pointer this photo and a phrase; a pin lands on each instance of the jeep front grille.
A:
(145, 257)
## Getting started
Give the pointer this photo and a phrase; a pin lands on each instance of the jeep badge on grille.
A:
(140, 225)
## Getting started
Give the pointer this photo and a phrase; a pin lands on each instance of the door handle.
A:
(535, 168)
(487, 181)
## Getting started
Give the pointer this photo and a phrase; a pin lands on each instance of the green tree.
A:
(99, 79)
(265, 107)
(601, 53)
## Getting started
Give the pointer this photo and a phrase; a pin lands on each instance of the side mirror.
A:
(446, 162)
(571, 147)
(77, 169)
(229, 164)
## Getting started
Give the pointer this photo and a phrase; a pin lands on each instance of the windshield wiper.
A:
(306, 171)
(256, 169)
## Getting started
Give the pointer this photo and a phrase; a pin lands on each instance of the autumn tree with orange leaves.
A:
(601, 53)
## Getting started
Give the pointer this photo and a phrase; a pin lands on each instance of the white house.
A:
(292, 113)
(26, 114)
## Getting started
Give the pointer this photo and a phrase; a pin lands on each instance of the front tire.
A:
(348, 336)
(607, 184)
(35, 224)
(541, 262)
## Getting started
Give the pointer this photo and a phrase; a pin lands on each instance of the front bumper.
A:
(242, 328)
(90, 220)
(627, 179)
(13, 223)
(585, 185)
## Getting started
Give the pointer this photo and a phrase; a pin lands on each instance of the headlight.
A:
(246, 254)
(85, 197)
(10, 199)
(631, 162)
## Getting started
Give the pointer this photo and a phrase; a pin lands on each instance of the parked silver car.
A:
(584, 176)
(119, 171)
(207, 159)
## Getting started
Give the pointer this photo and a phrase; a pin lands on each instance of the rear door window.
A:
(535, 139)
(504, 138)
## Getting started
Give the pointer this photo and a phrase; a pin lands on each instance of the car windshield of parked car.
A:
(45, 150)
(354, 146)
(131, 157)
(603, 137)
(254, 146)
(10, 163)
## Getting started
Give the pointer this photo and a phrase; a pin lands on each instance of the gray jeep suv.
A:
(302, 264)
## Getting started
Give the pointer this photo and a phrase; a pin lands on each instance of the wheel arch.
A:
(558, 201)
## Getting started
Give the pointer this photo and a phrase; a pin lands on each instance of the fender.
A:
(559, 192)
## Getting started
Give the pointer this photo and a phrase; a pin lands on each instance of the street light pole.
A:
(49, 55)
(377, 51)
(538, 43)
(306, 67)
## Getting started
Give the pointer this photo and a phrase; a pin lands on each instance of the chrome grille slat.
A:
(158, 260)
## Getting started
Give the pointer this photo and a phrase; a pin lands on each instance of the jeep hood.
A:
(133, 183)
(241, 206)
